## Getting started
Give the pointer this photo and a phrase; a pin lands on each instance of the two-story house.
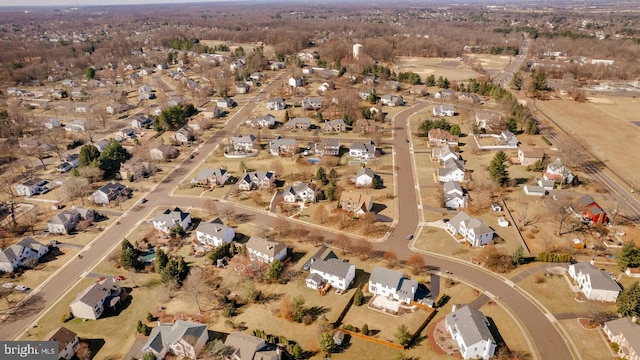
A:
(594, 283)
(276, 104)
(256, 180)
(626, 333)
(337, 125)
(392, 284)
(327, 146)
(298, 124)
(266, 251)
(183, 339)
(25, 252)
(67, 220)
(444, 110)
(339, 273)
(454, 196)
(96, 298)
(363, 150)
(356, 202)
(214, 233)
(110, 192)
(312, 103)
(300, 191)
(68, 342)
(441, 137)
(243, 143)
(443, 153)
(469, 328)
(282, 147)
(211, 177)
(171, 219)
(265, 121)
(452, 170)
(474, 230)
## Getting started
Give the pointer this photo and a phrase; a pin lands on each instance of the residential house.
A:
(102, 144)
(441, 137)
(110, 192)
(31, 143)
(145, 93)
(369, 80)
(163, 152)
(327, 146)
(300, 191)
(393, 85)
(126, 134)
(364, 177)
(76, 125)
(242, 88)
(548, 185)
(337, 125)
(30, 187)
(135, 169)
(392, 284)
(364, 93)
(184, 135)
(25, 252)
(171, 219)
(339, 273)
(282, 147)
(225, 103)
(534, 190)
(243, 143)
(363, 150)
(590, 211)
(256, 180)
(633, 272)
(276, 104)
(594, 283)
(365, 126)
(338, 338)
(454, 196)
(265, 121)
(266, 251)
(312, 103)
(68, 342)
(391, 100)
(528, 156)
(67, 220)
(68, 83)
(486, 119)
(443, 154)
(469, 98)
(419, 90)
(209, 177)
(96, 298)
(140, 121)
(82, 108)
(277, 65)
(214, 233)
(446, 94)
(246, 347)
(70, 162)
(52, 123)
(474, 230)
(452, 170)
(444, 110)
(326, 86)
(114, 109)
(184, 339)
(356, 202)
(296, 82)
(557, 172)
(298, 124)
(469, 328)
(213, 113)
(495, 207)
(508, 139)
(626, 333)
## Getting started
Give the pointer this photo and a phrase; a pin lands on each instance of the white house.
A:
(68, 342)
(300, 191)
(243, 143)
(92, 301)
(184, 339)
(276, 104)
(312, 103)
(508, 139)
(140, 121)
(363, 150)
(594, 283)
(392, 284)
(83, 108)
(30, 187)
(534, 190)
(183, 135)
(444, 153)
(444, 94)
(364, 177)
(444, 110)
(557, 172)
(454, 196)
(266, 251)
(256, 180)
(265, 121)
(102, 144)
(474, 230)
(171, 219)
(453, 170)
(327, 146)
(338, 273)
(214, 233)
(51, 123)
(469, 328)
(67, 220)
(626, 333)
(110, 192)
(391, 100)
(25, 252)
(296, 82)
(548, 185)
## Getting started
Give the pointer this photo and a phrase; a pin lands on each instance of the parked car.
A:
(410, 236)
(7, 285)
(143, 200)
(120, 277)
(22, 288)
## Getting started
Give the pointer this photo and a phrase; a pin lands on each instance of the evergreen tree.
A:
(90, 73)
(88, 153)
(530, 127)
(111, 158)
(629, 256)
(455, 130)
(333, 174)
(377, 182)
(358, 298)
(498, 168)
(161, 260)
(431, 80)
(403, 336)
(628, 301)
(365, 330)
(321, 175)
(129, 256)
(512, 124)
(330, 191)
(275, 270)
(517, 258)
(326, 343)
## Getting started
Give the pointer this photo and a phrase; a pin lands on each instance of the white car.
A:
(22, 288)
(7, 285)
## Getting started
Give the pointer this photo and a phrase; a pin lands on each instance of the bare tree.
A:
(321, 214)
(391, 258)
(281, 226)
(210, 205)
(195, 287)
(342, 242)
(363, 248)
(229, 212)
(92, 174)
(55, 138)
(416, 263)
(76, 187)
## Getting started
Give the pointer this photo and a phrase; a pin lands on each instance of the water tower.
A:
(357, 51)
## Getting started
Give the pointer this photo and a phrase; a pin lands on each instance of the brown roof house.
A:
(92, 302)
(247, 347)
(163, 152)
(68, 342)
(356, 201)
(264, 250)
(441, 137)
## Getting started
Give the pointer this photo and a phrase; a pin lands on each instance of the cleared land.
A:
(451, 68)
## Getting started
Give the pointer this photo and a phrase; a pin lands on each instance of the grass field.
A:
(447, 67)
(590, 343)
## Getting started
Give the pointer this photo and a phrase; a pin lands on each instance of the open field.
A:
(447, 67)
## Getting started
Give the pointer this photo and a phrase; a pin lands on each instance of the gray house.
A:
(91, 303)
(25, 252)
(184, 339)
(470, 329)
(67, 220)
(110, 192)
(392, 284)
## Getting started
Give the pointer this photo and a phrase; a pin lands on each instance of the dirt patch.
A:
(588, 323)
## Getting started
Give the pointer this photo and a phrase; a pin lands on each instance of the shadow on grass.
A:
(94, 346)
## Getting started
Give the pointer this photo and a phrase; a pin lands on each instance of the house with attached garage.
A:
(528, 156)
(337, 125)
(364, 177)
(282, 147)
(339, 273)
(508, 139)
(626, 333)
(444, 94)
(242, 88)
(163, 152)
(184, 135)
(243, 143)
(474, 230)
(68, 342)
(444, 110)
(96, 298)
(266, 251)
(392, 284)
(594, 283)
(363, 150)
(214, 233)
(246, 347)
(312, 103)
(171, 219)
(452, 170)
(391, 100)
(469, 98)
(183, 339)
(265, 121)
(67, 220)
(256, 180)
(209, 177)
(25, 252)
(469, 328)
(300, 191)
(327, 146)
(557, 172)
(356, 202)
(364, 93)
(534, 190)
(296, 82)
(30, 187)
(126, 134)
(298, 124)
(102, 144)
(276, 104)
(110, 192)
(454, 196)
(441, 137)
(140, 121)
(444, 153)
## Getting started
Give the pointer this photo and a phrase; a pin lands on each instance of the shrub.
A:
(67, 317)
(365, 330)
(348, 327)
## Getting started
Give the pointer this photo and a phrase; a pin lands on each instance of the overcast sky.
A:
(71, 3)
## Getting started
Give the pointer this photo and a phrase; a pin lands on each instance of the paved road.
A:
(547, 339)
(504, 78)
